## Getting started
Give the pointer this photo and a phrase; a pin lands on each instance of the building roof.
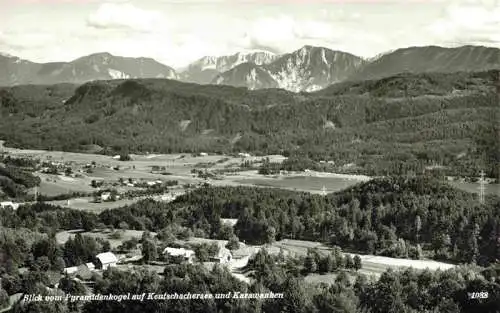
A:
(179, 252)
(70, 270)
(84, 272)
(223, 253)
(229, 221)
(106, 258)
(9, 203)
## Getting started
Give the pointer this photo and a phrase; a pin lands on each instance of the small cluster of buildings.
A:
(154, 183)
(107, 196)
(102, 262)
(224, 256)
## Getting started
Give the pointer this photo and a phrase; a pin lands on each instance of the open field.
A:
(493, 189)
(372, 265)
(128, 234)
(53, 185)
(86, 204)
(302, 183)
(179, 167)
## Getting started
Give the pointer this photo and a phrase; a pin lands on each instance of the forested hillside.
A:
(393, 216)
(396, 217)
(428, 59)
(403, 123)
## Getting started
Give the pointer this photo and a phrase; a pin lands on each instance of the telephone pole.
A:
(323, 191)
(481, 188)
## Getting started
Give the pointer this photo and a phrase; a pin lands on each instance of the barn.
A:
(105, 260)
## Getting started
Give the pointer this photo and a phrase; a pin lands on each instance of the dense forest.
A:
(16, 177)
(397, 217)
(405, 123)
(402, 217)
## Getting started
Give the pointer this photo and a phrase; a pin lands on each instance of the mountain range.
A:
(204, 70)
(99, 66)
(306, 69)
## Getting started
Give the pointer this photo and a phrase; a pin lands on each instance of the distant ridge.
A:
(306, 69)
(430, 59)
(98, 66)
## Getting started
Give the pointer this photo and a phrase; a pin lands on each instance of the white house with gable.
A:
(7, 204)
(106, 260)
(181, 253)
(70, 270)
(223, 256)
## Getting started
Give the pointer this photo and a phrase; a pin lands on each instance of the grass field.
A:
(63, 236)
(493, 189)
(372, 265)
(180, 166)
(85, 204)
(302, 183)
(53, 185)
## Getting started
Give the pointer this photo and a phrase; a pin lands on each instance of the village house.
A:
(105, 196)
(70, 270)
(90, 266)
(229, 221)
(223, 256)
(7, 204)
(167, 197)
(180, 254)
(105, 260)
(83, 272)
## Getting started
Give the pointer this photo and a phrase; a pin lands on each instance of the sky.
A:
(177, 32)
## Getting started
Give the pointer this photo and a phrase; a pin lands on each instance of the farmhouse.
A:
(7, 204)
(83, 272)
(105, 260)
(90, 266)
(105, 196)
(181, 254)
(229, 221)
(223, 256)
(70, 270)
(167, 197)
